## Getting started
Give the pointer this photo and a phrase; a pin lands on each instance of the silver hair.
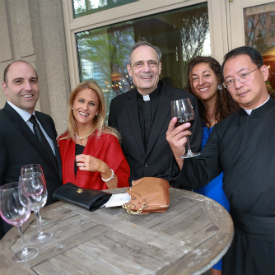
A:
(144, 43)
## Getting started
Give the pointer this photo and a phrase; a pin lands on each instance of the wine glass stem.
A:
(24, 249)
(37, 215)
(189, 147)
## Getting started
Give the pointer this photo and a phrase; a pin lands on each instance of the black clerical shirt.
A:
(147, 111)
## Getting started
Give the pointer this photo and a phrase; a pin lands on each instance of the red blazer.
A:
(106, 148)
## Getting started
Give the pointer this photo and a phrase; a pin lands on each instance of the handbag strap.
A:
(125, 206)
(141, 201)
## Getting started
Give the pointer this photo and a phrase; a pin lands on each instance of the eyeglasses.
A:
(242, 77)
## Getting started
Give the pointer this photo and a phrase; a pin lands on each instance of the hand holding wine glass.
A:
(29, 168)
(182, 109)
(36, 189)
(15, 209)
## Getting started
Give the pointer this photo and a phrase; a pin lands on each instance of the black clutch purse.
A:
(89, 199)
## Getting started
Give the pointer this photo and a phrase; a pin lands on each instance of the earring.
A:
(72, 108)
(220, 87)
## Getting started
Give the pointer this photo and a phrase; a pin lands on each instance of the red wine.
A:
(182, 120)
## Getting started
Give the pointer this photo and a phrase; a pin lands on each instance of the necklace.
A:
(81, 138)
(211, 118)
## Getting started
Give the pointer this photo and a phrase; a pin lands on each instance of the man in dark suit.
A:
(142, 116)
(19, 142)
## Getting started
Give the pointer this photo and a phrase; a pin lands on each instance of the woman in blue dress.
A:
(215, 104)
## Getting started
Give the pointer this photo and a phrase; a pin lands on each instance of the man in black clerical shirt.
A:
(241, 146)
(26, 136)
(142, 115)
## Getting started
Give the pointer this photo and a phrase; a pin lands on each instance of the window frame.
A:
(98, 9)
(217, 24)
(236, 29)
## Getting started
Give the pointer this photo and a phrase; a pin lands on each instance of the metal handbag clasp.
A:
(79, 190)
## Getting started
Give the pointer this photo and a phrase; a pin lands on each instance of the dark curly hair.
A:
(225, 105)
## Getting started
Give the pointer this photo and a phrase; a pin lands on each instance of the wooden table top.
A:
(187, 239)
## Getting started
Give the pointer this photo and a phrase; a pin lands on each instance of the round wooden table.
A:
(189, 238)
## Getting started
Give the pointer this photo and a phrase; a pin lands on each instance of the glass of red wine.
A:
(182, 109)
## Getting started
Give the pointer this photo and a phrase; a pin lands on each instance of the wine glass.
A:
(36, 189)
(35, 168)
(182, 109)
(15, 209)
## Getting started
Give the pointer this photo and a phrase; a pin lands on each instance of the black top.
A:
(147, 112)
(78, 150)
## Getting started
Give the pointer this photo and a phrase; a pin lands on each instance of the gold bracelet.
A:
(112, 176)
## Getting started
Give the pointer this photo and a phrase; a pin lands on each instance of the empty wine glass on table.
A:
(15, 209)
(26, 169)
(36, 189)
(182, 109)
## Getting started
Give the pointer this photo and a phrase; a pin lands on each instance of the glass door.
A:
(252, 23)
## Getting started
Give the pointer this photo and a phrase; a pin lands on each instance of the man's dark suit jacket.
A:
(19, 146)
(157, 160)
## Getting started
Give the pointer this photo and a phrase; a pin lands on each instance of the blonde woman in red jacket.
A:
(90, 153)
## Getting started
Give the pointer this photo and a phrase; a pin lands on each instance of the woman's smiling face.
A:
(204, 82)
(85, 107)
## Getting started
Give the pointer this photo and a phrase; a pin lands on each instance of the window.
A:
(258, 26)
(84, 7)
(263, 33)
(180, 34)
(263, 19)
(250, 36)
(260, 33)
(250, 22)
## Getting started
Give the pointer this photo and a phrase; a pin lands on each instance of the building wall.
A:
(33, 30)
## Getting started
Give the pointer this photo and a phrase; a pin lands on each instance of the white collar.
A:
(24, 114)
(250, 110)
(146, 97)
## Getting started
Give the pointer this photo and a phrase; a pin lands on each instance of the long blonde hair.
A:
(98, 121)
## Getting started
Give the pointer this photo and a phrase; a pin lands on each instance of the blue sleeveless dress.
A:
(214, 188)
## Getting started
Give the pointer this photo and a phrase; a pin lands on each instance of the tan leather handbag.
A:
(148, 194)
